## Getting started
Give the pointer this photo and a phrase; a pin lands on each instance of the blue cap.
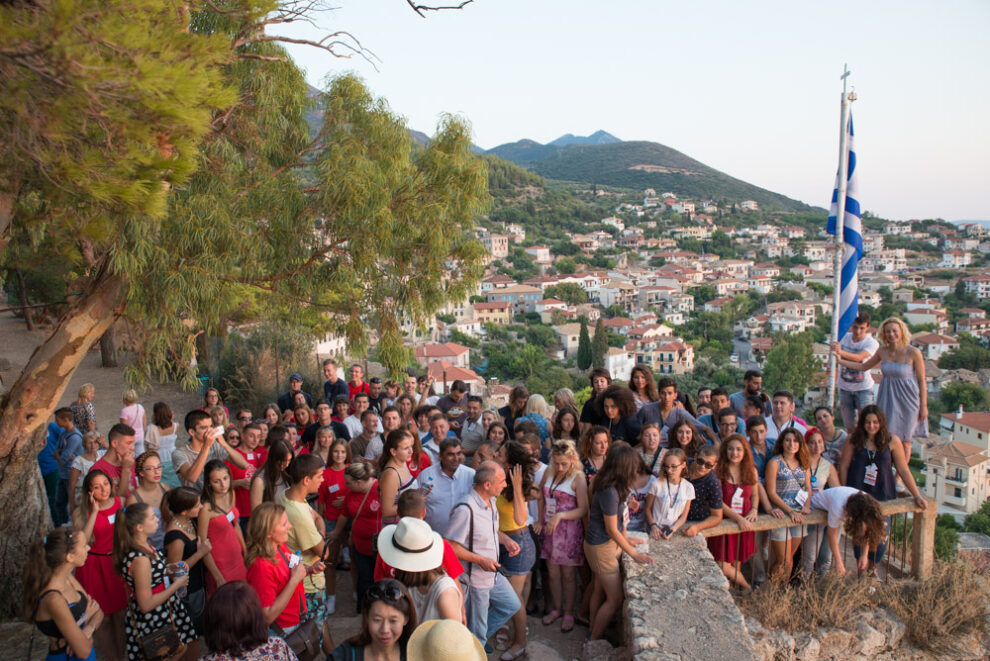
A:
(296, 376)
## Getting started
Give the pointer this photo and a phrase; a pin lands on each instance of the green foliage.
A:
(447, 318)
(979, 521)
(584, 353)
(565, 266)
(791, 363)
(782, 294)
(505, 177)
(704, 293)
(599, 344)
(565, 248)
(464, 339)
(968, 395)
(657, 262)
(970, 355)
(541, 336)
(568, 292)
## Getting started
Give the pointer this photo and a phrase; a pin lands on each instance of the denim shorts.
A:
(522, 562)
(783, 534)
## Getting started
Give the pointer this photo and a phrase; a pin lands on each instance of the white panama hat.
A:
(410, 545)
(444, 640)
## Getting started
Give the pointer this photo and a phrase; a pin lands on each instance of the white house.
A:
(957, 475)
(619, 363)
(933, 345)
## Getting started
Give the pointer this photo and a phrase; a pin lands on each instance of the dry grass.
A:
(936, 612)
(952, 603)
(830, 602)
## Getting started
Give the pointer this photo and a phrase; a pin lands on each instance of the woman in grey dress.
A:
(902, 395)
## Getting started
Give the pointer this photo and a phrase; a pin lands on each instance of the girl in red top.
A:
(218, 523)
(336, 453)
(363, 508)
(274, 571)
(95, 516)
(420, 460)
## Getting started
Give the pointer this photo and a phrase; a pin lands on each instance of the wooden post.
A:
(923, 541)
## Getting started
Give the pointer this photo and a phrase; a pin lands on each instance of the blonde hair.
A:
(905, 332)
(359, 471)
(538, 404)
(130, 396)
(263, 519)
(565, 448)
(85, 389)
(567, 399)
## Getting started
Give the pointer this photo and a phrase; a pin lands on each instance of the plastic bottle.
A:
(295, 559)
(180, 570)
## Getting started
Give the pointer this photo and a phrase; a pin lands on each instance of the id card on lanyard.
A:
(737, 501)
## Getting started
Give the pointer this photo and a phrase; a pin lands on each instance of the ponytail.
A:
(45, 555)
(177, 501)
(128, 519)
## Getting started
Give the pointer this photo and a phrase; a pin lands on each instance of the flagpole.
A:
(840, 217)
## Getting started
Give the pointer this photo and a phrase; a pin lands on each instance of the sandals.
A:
(551, 617)
(567, 625)
(511, 656)
(502, 639)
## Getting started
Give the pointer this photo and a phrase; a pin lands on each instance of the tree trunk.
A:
(22, 294)
(6, 219)
(24, 413)
(108, 352)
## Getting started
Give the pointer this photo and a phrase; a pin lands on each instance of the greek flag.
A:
(852, 238)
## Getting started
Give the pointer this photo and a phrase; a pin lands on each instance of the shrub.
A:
(830, 602)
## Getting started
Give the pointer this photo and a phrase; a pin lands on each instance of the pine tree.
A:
(584, 346)
(599, 345)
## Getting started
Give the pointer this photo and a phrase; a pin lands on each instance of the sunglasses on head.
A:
(386, 590)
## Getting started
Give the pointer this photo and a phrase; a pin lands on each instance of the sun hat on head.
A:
(411, 545)
(444, 640)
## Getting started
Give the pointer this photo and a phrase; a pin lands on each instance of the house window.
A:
(958, 492)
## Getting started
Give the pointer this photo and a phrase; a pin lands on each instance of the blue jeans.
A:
(62, 502)
(875, 556)
(851, 403)
(488, 610)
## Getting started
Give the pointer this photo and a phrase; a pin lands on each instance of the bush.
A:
(830, 602)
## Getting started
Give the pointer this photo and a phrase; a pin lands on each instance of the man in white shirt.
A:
(439, 430)
(783, 417)
(353, 421)
(855, 387)
(445, 484)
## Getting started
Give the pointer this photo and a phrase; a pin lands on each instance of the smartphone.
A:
(220, 429)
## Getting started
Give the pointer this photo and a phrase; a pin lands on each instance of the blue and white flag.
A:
(852, 239)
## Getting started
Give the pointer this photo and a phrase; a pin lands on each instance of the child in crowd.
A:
(668, 499)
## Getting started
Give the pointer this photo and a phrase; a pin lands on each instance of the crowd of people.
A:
(227, 540)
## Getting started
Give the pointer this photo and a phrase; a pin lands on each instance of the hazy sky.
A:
(750, 88)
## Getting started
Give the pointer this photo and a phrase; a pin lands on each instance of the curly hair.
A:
(865, 524)
(691, 449)
(623, 399)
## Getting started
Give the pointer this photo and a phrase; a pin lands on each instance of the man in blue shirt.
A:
(720, 400)
(68, 448)
(49, 466)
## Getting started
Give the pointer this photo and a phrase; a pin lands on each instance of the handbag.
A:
(162, 643)
(305, 639)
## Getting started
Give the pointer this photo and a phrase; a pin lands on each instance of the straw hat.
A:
(411, 545)
(444, 640)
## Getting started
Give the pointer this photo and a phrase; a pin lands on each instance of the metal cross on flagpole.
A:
(842, 180)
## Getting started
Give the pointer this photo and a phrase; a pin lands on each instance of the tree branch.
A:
(419, 9)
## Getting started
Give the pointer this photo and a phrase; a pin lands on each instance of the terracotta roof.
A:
(437, 350)
(979, 421)
(957, 452)
(497, 305)
(453, 372)
(933, 338)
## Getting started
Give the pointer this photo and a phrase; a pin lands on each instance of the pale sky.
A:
(749, 88)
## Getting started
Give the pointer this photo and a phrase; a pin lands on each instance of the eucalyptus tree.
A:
(164, 150)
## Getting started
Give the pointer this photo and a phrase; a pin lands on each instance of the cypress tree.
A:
(599, 345)
(584, 346)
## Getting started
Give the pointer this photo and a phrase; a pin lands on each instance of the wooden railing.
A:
(922, 553)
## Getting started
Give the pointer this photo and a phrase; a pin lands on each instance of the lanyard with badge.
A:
(870, 477)
(737, 501)
(551, 502)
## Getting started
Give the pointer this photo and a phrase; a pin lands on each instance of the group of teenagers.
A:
(446, 513)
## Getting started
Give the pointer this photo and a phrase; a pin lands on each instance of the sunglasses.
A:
(706, 464)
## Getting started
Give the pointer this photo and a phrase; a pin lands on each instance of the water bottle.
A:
(429, 484)
(180, 571)
(295, 559)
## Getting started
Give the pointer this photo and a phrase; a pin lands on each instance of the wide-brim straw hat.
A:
(410, 545)
(444, 640)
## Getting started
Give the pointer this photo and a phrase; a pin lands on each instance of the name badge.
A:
(870, 478)
(112, 517)
(625, 518)
(334, 488)
(551, 507)
(737, 501)
(230, 517)
(250, 456)
(801, 497)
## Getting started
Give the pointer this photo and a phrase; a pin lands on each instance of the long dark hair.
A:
(692, 449)
(575, 432)
(859, 436)
(391, 593)
(123, 533)
(271, 471)
(619, 471)
(45, 555)
(651, 394)
(392, 441)
(517, 454)
(234, 620)
(209, 495)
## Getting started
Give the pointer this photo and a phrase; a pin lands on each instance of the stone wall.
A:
(680, 606)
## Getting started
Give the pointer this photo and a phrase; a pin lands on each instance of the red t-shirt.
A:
(450, 564)
(364, 524)
(333, 487)
(268, 577)
(242, 495)
(353, 389)
(113, 472)
(424, 463)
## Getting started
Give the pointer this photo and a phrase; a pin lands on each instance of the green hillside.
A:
(640, 165)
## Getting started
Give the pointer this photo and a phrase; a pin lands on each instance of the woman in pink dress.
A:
(218, 522)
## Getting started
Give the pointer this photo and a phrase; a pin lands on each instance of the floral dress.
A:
(566, 545)
(137, 625)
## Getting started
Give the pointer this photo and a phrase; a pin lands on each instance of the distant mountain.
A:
(639, 165)
(596, 138)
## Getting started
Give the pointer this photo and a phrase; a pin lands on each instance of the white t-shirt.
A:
(834, 502)
(670, 501)
(852, 380)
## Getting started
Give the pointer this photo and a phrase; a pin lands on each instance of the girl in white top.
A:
(669, 498)
(162, 434)
(132, 415)
(650, 448)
